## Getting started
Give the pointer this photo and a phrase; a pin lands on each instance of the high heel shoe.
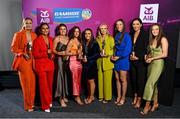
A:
(145, 111)
(138, 104)
(155, 108)
(65, 99)
(117, 100)
(90, 100)
(121, 102)
(63, 104)
(78, 101)
(134, 101)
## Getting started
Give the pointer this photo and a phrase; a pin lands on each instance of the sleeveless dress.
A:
(62, 83)
(155, 69)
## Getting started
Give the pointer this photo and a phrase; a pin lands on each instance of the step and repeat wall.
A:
(83, 13)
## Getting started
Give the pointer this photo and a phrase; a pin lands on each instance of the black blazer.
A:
(140, 47)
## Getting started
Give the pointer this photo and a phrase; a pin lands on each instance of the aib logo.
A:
(148, 10)
(44, 16)
(148, 13)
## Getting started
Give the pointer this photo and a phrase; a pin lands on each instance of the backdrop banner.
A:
(82, 13)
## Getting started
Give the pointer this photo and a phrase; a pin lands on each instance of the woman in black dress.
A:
(91, 53)
(138, 66)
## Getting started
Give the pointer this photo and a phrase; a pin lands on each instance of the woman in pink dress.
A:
(74, 50)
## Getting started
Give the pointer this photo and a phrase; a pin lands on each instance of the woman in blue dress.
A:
(123, 46)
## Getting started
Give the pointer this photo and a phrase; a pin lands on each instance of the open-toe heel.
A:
(145, 112)
(138, 104)
(134, 100)
(155, 108)
(117, 100)
(90, 100)
(121, 102)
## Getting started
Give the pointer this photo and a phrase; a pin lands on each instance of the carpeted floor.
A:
(11, 105)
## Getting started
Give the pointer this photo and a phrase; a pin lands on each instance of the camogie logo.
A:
(86, 14)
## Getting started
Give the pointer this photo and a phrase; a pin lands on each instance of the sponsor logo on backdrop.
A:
(61, 15)
(44, 15)
(149, 13)
(71, 15)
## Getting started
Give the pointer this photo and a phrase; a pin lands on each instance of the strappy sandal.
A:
(155, 108)
(143, 112)
(117, 100)
(134, 100)
(121, 102)
(90, 100)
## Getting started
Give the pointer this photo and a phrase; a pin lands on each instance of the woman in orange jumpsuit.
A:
(44, 65)
(23, 62)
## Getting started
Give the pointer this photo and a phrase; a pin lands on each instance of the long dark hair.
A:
(159, 37)
(71, 33)
(116, 30)
(131, 26)
(84, 39)
(57, 33)
(38, 29)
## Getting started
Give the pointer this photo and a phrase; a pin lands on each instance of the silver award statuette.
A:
(85, 58)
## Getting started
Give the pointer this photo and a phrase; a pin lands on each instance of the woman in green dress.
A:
(157, 51)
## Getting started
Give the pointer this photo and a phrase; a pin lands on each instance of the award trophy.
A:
(149, 54)
(79, 54)
(133, 50)
(86, 52)
(49, 54)
(27, 56)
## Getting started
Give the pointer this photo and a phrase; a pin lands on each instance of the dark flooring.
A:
(11, 105)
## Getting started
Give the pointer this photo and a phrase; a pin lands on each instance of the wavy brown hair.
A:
(158, 37)
(71, 33)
